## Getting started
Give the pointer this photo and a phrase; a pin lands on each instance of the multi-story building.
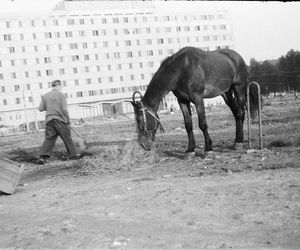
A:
(102, 52)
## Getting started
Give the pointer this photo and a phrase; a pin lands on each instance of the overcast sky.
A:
(262, 30)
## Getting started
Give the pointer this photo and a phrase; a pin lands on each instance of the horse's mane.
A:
(168, 60)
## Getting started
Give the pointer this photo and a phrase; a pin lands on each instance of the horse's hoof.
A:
(189, 155)
(238, 146)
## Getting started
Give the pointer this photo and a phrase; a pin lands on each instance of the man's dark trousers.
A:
(56, 128)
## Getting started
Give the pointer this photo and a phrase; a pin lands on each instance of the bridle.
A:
(144, 111)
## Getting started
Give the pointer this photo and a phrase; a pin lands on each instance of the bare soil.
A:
(121, 197)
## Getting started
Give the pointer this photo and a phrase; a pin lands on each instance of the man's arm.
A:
(42, 106)
(65, 108)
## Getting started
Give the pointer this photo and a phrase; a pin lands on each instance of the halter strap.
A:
(144, 110)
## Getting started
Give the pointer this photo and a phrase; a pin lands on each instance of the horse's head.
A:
(147, 123)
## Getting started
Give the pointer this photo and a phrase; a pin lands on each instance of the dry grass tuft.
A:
(121, 157)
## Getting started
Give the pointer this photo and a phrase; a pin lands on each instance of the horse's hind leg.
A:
(187, 115)
(199, 103)
(236, 101)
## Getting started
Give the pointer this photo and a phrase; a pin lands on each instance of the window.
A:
(115, 20)
(28, 86)
(57, 34)
(129, 54)
(3, 89)
(75, 58)
(17, 88)
(75, 70)
(105, 44)
(49, 72)
(13, 75)
(26, 74)
(18, 100)
(38, 73)
(61, 71)
(222, 27)
(86, 57)
(128, 43)
(55, 22)
(88, 81)
(48, 35)
(7, 37)
(92, 92)
(95, 33)
(61, 59)
(76, 82)
(4, 102)
(99, 80)
(73, 46)
(69, 34)
(30, 99)
(149, 53)
(98, 68)
(12, 62)
(86, 69)
(79, 94)
(40, 85)
(84, 45)
(160, 41)
(70, 21)
(116, 55)
(81, 21)
(11, 49)
(47, 59)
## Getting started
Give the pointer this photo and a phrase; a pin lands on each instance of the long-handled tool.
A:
(83, 145)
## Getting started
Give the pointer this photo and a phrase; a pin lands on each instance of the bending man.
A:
(57, 123)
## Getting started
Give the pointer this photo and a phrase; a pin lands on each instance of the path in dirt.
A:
(137, 210)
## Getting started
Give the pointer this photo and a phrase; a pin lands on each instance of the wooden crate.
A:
(10, 174)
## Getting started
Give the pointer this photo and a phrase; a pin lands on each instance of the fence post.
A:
(259, 115)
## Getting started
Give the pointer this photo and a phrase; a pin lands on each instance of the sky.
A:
(261, 30)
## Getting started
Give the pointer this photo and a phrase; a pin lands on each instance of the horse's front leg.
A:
(199, 103)
(187, 115)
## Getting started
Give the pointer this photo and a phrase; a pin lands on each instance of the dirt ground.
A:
(121, 197)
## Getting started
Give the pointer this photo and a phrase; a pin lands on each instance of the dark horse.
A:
(192, 75)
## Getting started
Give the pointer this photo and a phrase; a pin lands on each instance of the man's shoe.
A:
(76, 157)
(41, 161)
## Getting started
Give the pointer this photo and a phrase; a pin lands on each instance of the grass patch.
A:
(280, 144)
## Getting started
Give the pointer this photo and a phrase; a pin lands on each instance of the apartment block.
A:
(101, 51)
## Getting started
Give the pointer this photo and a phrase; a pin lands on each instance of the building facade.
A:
(101, 51)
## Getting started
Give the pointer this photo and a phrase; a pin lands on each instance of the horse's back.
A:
(214, 72)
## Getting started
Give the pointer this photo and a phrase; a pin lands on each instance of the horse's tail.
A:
(253, 100)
